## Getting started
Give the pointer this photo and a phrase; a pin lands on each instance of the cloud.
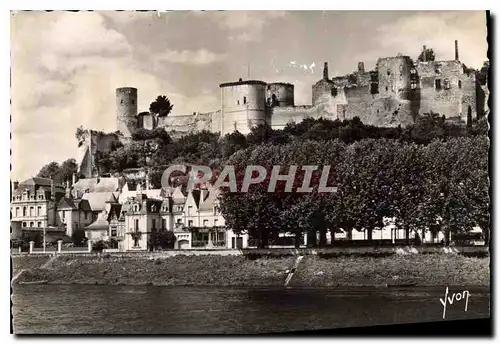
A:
(198, 57)
(436, 30)
(244, 26)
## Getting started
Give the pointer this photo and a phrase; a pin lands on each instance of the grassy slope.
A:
(435, 269)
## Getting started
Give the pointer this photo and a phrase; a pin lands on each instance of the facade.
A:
(34, 203)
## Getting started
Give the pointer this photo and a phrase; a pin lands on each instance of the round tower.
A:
(243, 105)
(280, 94)
(126, 110)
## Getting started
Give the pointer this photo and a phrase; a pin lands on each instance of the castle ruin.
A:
(393, 94)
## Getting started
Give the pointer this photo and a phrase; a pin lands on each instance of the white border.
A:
(185, 4)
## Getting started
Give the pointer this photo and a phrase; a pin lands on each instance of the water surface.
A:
(79, 309)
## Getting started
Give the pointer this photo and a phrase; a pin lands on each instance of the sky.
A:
(65, 66)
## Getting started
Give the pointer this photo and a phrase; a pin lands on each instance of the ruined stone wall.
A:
(446, 89)
(373, 109)
(394, 76)
(89, 143)
(283, 93)
(320, 89)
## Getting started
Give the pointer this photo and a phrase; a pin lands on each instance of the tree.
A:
(51, 170)
(78, 237)
(161, 106)
(163, 239)
(232, 143)
(59, 173)
(429, 55)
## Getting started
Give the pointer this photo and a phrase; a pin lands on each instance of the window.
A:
(334, 92)
(446, 84)
(113, 232)
(438, 84)
(190, 223)
(386, 88)
(179, 221)
(24, 224)
(17, 211)
(205, 223)
(86, 215)
(39, 224)
(32, 197)
(64, 215)
(136, 207)
(153, 225)
(238, 102)
(216, 222)
(40, 196)
(18, 198)
(163, 224)
(189, 210)
(136, 224)
(32, 224)
(388, 72)
(24, 211)
(32, 210)
(244, 100)
(38, 211)
(459, 83)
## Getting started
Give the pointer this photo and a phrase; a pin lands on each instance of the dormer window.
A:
(136, 207)
(244, 100)
(153, 208)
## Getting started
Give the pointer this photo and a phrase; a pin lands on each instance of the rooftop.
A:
(243, 82)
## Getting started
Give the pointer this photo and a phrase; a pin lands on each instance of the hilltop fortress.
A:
(394, 93)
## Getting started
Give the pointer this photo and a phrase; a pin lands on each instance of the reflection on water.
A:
(52, 309)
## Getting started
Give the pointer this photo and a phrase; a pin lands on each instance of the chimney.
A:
(424, 59)
(68, 190)
(52, 190)
(15, 185)
(73, 182)
(325, 71)
(456, 50)
(361, 67)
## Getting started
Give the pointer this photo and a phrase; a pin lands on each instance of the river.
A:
(79, 309)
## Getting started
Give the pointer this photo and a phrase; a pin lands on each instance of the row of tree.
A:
(440, 186)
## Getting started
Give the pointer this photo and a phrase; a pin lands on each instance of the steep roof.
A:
(108, 184)
(66, 203)
(97, 200)
(115, 210)
(100, 223)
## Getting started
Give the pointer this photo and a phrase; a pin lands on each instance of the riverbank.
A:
(313, 271)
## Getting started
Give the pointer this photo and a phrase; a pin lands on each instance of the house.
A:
(142, 220)
(34, 202)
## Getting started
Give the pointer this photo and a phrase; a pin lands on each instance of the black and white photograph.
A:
(249, 172)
